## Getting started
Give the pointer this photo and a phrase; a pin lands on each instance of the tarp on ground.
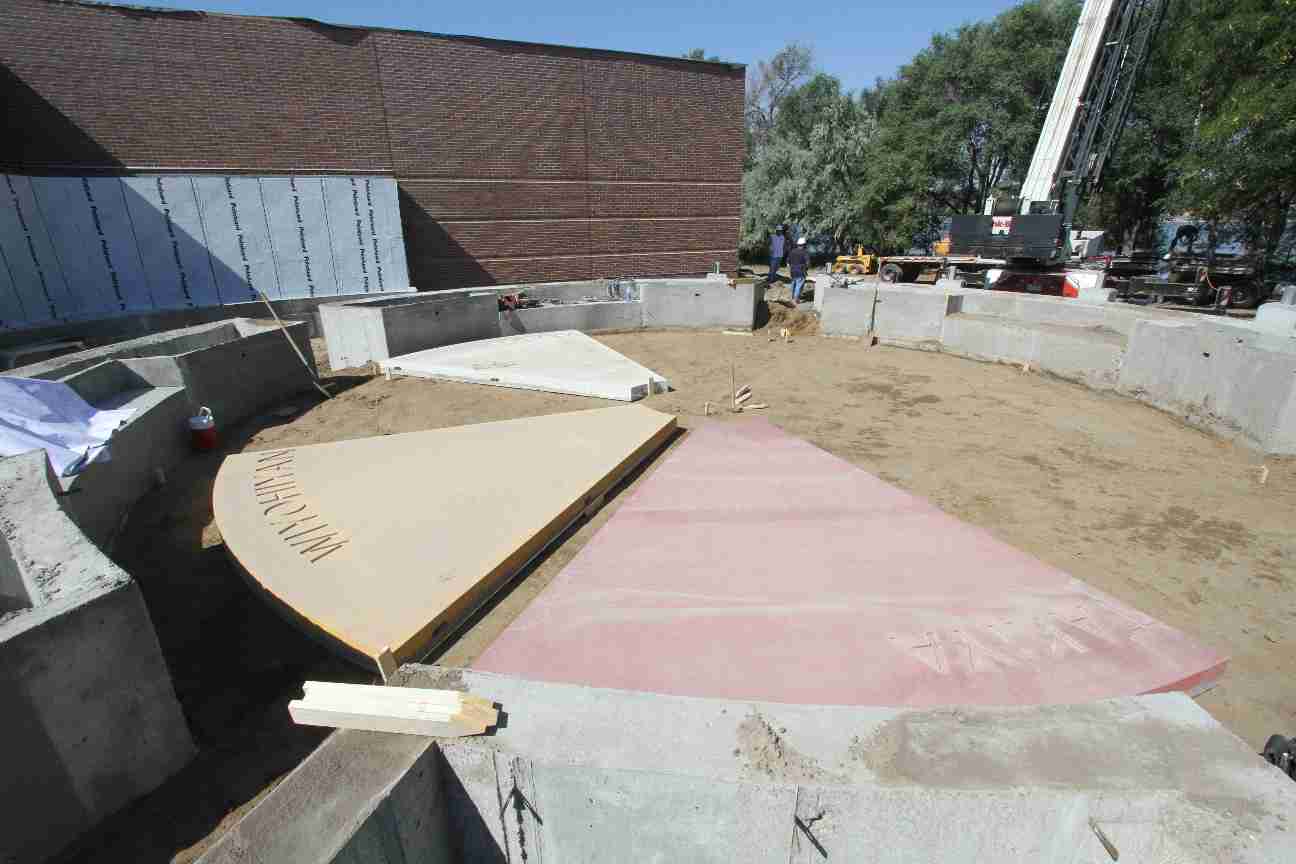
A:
(51, 416)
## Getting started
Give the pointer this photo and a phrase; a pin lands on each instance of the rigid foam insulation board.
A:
(393, 541)
(758, 566)
(80, 248)
(565, 361)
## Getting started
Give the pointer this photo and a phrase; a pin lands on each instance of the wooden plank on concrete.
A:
(407, 710)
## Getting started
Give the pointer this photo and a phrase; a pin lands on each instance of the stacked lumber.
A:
(407, 710)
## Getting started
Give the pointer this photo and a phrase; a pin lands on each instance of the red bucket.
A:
(202, 430)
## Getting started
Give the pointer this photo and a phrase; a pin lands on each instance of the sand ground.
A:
(1169, 519)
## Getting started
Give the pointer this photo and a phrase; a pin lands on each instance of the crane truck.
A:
(1033, 234)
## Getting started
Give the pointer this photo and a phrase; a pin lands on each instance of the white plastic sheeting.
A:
(75, 248)
(50, 416)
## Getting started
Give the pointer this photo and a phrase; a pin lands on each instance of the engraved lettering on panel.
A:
(288, 512)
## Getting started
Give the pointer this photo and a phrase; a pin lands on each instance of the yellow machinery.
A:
(858, 264)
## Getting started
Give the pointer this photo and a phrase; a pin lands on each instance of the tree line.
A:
(1211, 133)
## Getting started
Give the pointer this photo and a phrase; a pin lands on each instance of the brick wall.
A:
(515, 162)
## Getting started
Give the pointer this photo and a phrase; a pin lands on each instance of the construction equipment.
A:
(859, 264)
(1033, 232)
(911, 268)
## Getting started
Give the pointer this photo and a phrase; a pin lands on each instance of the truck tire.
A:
(1245, 296)
(890, 272)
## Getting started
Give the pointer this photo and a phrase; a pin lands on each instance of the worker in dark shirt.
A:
(799, 264)
(778, 248)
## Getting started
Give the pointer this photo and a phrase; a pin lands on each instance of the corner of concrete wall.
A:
(236, 379)
(90, 717)
(417, 326)
(366, 797)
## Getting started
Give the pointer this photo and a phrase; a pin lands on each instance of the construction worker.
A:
(799, 264)
(778, 248)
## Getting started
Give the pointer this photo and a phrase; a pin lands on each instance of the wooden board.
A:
(406, 710)
(396, 540)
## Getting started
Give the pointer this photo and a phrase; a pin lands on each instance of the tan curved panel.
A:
(392, 541)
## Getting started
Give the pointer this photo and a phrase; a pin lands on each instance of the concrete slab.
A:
(752, 565)
(391, 542)
(566, 361)
(584, 774)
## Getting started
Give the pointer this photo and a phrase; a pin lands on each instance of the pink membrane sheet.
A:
(753, 565)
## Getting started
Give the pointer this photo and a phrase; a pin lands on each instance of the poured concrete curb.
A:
(379, 328)
(91, 720)
(582, 774)
(358, 332)
(1231, 378)
(91, 717)
(235, 367)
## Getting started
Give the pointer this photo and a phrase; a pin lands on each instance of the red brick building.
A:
(515, 162)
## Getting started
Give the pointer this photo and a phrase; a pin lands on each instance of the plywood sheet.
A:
(563, 361)
(392, 541)
(753, 565)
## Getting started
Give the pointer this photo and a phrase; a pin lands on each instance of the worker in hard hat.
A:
(799, 264)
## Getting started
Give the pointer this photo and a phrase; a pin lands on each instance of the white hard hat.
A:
(801, 242)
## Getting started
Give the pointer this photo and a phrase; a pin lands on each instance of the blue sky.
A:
(854, 41)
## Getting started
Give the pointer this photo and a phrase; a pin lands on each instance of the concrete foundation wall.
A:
(1233, 378)
(1089, 356)
(700, 303)
(235, 367)
(366, 331)
(584, 774)
(90, 720)
(914, 316)
(1221, 376)
(155, 438)
(107, 331)
(587, 317)
(845, 311)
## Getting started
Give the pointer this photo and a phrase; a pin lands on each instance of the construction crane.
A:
(1033, 233)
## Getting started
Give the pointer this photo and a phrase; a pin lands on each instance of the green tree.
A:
(1238, 62)
(811, 176)
(768, 84)
(961, 120)
(699, 54)
(805, 106)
